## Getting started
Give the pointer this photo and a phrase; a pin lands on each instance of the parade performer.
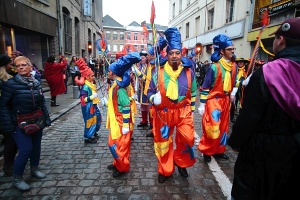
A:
(241, 76)
(89, 102)
(119, 113)
(144, 76)
(215, 99)
(172, 92)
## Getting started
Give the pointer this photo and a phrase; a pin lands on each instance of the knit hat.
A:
(174, 39)
(4, 59)
(220, 42)
(84, 69)
(122, 66)
(289, 28)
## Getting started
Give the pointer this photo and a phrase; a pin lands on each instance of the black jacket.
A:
(268, 162)
(18, 98)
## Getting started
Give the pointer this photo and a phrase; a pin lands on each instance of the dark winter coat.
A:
(18, 98)
(268, 162)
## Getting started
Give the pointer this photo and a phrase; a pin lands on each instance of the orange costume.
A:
(215, 118)
(177, 115)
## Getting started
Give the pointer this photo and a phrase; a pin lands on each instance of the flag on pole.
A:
(152, 17)
(264, 23)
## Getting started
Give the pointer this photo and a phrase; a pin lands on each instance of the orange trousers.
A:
(183, 155)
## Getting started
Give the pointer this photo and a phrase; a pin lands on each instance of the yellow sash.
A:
(111, 121)
(172, 89)
(227, 78)
(94, 90)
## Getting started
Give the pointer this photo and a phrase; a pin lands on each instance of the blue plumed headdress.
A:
(220, 42)
(174, 39)
(122, 66)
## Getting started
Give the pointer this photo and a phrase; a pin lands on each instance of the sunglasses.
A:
(174, 52)
(230, 49)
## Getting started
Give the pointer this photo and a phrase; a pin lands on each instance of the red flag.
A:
(152, 13)
(265, 18)
(103, 43)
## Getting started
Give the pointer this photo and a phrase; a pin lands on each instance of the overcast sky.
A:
(127, 11)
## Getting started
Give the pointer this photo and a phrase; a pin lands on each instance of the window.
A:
(128, 36)
(121, 35)
(197, 23)
(107, 35)
(121, 47)
(136, 47)
(142, 48)
(77, 36)
(173, 10)
(229, 10)
(210, 19)
(67, 31)
(115, 47)
(115, 35)
(180, 6)
(187, 30)
(135, 36)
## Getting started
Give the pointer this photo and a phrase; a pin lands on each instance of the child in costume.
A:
(89, 102)
(119, 113)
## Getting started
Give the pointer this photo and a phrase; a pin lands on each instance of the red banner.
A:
(152, 13)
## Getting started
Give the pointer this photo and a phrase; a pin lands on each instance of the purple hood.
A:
(282, 79)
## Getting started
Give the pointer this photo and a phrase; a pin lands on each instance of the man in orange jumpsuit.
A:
(172, 92)
(215, 99)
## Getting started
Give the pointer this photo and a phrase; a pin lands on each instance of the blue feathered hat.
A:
(174, 39)
(122, 66)
(220, 41)
(151, 51)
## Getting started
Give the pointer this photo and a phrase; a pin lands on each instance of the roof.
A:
(109, 21)
(157, 26)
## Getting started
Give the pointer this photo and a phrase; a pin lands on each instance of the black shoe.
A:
(183, 172)
(222, 156)
(207, 158)
(90, 140)
(117, 173)
(54, 104)
(111, 167)
(162, 178)
(150, 127)
(142, 125)
(96, 136)
(150, 135)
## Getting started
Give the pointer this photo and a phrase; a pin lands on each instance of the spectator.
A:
(23, 95)
(53, 73)
(10, 146)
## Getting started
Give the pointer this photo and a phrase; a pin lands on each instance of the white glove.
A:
(104, 101)
(201, 108)
(93, 96)
(245, 82)
(233, 93)
(157, 98)
(135, 97)
(125, 130)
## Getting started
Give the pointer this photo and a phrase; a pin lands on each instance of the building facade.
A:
(40, 28)
(200, 21)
